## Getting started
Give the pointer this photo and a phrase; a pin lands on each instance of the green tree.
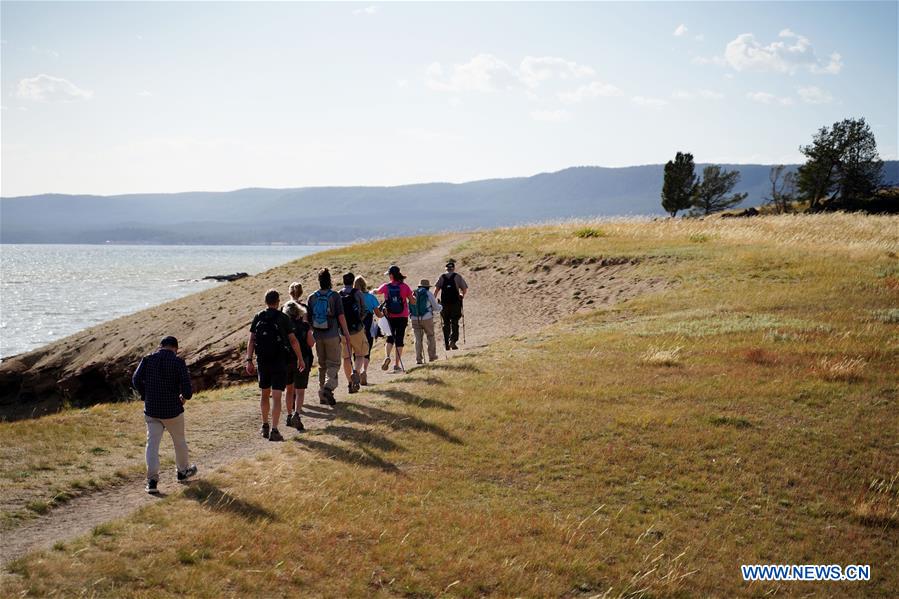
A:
(711, 194)
(842, 166)
(677, 189)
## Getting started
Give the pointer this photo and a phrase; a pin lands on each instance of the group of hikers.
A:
(341, 326)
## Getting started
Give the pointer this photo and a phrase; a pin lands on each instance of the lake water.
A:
(50, 291)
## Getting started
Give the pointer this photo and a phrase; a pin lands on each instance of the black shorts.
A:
(398, 328)
(272, 375)
(300, 380)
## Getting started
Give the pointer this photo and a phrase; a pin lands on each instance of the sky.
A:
(134, 97)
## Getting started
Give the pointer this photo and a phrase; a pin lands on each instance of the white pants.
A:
(155, 428)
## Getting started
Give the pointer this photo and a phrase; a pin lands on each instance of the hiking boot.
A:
(191, 470)
(322, 397)
(297, 423)
(363, 379)
(351, 388)
(386, 363)
(289, 420)
(446, 346)
(453, 345)
(356, 381)
(151, 487)
(329, 397)
(419, 362)
(275, 435)
(264, 430)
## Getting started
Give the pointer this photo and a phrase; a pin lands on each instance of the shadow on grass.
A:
(319, 412)
(413, 399)
(427, 380)
(362, 414)
(362, 456)
(362, 437)
(455, 367)
(206, 493)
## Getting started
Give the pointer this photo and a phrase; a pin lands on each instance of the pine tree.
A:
(711, 194)
(677, 188)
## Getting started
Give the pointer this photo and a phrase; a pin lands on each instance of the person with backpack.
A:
(372, 310)
(298, 380)
(272, 338)
(354, 312)
(451, 290)
(421, 313)
(163, 381)
(397, 296)
(328, 322)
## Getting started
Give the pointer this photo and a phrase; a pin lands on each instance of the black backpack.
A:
(271, 346)
(351, 310)
(450, 291)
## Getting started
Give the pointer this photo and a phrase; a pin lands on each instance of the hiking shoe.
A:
(322, 397)
(446, 346)
(453, 345)
(363, 379)
(386, 363)
(151, 487)
(397, 368)
(275, 435)
(419, 362)
(356, 380)
(191, 470)
(264, 430)
(329, 397)
(298, 424)
(351, 388)
(289, 420)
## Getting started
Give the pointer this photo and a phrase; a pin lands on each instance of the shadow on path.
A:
(215, 499)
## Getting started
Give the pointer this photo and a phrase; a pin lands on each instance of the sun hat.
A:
(424, 283)
(451, 264)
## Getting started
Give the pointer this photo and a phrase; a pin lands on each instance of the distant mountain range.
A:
(340, 214)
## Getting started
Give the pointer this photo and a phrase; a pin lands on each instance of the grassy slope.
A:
(574, 461)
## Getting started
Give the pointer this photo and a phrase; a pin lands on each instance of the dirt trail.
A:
(499, 305)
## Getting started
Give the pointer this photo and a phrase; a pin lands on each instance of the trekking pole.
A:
(463, 327)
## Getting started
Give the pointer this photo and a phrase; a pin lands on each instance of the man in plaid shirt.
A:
(163, 382)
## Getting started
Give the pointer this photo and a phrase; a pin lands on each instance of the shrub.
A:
(589, 232)
(843, 369)
(658, 356)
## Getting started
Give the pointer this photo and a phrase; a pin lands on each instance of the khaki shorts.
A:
(358, 343)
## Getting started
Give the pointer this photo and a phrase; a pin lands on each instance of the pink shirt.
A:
(405, 293)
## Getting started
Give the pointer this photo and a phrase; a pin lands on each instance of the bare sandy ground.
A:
(507, 297)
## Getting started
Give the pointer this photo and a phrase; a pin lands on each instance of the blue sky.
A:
(161, 97)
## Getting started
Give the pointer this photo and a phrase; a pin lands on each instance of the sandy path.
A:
(499, 305)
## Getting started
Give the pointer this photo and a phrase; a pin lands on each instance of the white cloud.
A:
(486, 72)
(551, 116)
(46, 88)
(767, 98)
(680, 31)
(814, 95)
(483, 73)
(144, 93)
(368, 10)
(715, 60)
(649, 102)
(704, 94)
(792, 53)
(699, 37)
(594, 89)
(535, 69)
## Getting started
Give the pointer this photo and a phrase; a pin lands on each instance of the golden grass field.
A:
(747, 413)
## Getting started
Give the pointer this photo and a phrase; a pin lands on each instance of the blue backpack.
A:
(321, 310)
(394, 303)
(422, 305)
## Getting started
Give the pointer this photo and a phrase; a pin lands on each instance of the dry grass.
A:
(559, 464)
(657, 356)
(841, 369)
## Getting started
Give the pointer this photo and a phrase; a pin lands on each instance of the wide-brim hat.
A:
(424, 283)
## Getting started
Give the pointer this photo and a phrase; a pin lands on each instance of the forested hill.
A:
(319, 214)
